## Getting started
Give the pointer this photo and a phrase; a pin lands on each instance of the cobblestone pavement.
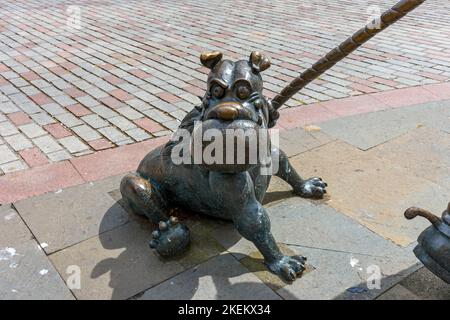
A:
(82, 76)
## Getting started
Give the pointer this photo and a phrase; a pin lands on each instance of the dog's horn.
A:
(210, 59)
(259, 62)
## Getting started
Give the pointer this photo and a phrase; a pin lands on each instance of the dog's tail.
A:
(388, 18)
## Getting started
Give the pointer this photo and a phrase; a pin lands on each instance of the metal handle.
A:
(388, 18)
(413, 212)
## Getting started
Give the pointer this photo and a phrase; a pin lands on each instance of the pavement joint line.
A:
(334, 250)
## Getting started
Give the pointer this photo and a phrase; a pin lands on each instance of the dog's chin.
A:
(241, 142)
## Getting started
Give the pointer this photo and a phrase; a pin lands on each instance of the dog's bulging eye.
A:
(217, 91)
(243, 92)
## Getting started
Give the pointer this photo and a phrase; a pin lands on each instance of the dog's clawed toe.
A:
(288, 268)
(171, 238)
(312, 188)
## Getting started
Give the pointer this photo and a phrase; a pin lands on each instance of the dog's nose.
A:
(227, 112)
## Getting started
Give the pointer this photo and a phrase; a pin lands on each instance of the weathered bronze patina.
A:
(233, 101)
(433, 247)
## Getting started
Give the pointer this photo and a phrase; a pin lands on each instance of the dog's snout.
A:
(227, 112)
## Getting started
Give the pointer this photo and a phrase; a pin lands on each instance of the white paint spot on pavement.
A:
(354, 262)
(10, 216)
(7, 253)
(43, 272)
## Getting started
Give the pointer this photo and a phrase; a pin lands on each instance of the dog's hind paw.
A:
(288, 268)
(171, 238)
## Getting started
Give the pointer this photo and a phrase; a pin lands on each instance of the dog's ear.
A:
(259, 62)
(210, 59)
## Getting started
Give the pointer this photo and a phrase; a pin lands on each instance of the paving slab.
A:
(423, 152)
(340, 275)
(307, 223)
(66, 217)
(373, 191)
(299, 140)
(117, 264)
(366, 131)
(222, 277)
(25, 271)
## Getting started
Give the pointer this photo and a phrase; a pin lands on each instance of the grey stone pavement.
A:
(81, 76)
(79, 243)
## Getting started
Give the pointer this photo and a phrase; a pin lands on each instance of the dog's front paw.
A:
(171, 238)
(312, 188)
(288, 268)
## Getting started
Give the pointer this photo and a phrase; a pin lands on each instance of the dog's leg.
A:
(309, 188)
(252, 222)
(138, 194)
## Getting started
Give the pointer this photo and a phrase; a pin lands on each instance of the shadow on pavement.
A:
(225, 276)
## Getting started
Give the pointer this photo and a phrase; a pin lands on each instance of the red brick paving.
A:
(41, 99)
(140, 74)
(114, 80)
(111, 162)
(354, 105)
(315, 113)
(39, 180)
(33, 157)
(19, 118)
(149, 125)
(78, 110)
(30, 76)
(112, 102)
(121, 95)
(441, 90)
(57, 130)
(100, 144)
(404, 97)
(171, 98)
(74, 92)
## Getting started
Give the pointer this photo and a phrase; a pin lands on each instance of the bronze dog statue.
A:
(233, 101)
